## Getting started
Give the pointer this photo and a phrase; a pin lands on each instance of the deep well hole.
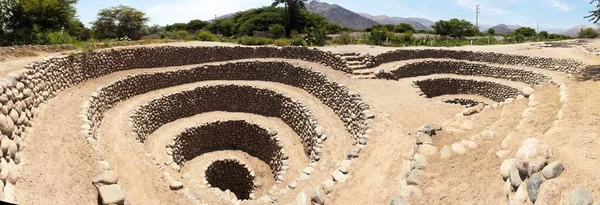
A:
(230, 135)
(231, 175)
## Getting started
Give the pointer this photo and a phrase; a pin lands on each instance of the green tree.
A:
(525, 31)
(544, 34)
(588, 33)
(595, 14)
(120, 21)
(196, 25)
(292, 13)
(30, 21)
(176, 27)
(491, 31)
(455, 28)
(277, 30)
(403, 28)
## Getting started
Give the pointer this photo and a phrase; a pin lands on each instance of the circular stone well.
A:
(232, 175)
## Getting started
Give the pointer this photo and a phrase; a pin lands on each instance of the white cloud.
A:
(185, 10)
(560, 5)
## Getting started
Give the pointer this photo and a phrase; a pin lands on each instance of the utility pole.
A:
(477, 11)
(537, 28)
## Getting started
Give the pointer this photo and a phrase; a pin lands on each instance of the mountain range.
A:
(339, 15)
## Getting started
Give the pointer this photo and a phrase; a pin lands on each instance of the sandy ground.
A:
(59, 168)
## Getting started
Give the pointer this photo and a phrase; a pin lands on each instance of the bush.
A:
(151, 37)
(180, 34)
(277, 30)
(588, 33)
(59, 38)
(298, 42)
(378, 36)
(342, 39)
(281, 42)
(316, 36)
(251, 41)
(206, 36)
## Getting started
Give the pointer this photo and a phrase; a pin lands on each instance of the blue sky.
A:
(557, 14)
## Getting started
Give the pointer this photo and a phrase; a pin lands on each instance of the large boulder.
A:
(532, 157)
(553, 191)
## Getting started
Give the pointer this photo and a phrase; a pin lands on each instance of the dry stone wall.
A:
(444, 86)
(253, 139)
(463, 68)
(231, 98)
(348, 106)
(552, 64)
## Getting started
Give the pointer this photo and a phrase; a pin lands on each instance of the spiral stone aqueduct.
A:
(290, 125)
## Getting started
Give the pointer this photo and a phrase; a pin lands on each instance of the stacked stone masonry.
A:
(463, 68)
(450, 86)
(232, 175)
(229, 98)
(21, 93)
(240, 135)
(552, 64)
(462, 101)
(349, 107)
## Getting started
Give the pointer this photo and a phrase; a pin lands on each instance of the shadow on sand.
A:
(591, 72)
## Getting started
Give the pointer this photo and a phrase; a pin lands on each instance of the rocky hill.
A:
(417, 23)
(341, 16)
(502, 29)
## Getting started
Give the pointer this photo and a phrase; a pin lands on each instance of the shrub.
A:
(378, 36)
(206, 36)
(281, 42)
(59, 38)
(180, 34)
(298, 42)
(251, 41)
(316, 36)
(588, 33)
(277, 30)
(342, 39)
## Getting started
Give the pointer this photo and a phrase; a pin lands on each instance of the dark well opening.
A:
(230, 174)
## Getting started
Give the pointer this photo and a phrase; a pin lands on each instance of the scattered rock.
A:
(302, 199)
(580, 196)
(520, 196)
(429, 129)
(528, 91)
(506, 166)
(112, 194)
(319, 196)
(532, 157)
(446, 152)
(106, 178)
(399, 201)
(469, 111)
(533, 185)
(338, 176)
(427, 149)
(553, 191)
(553, 170)
(503, 154)
(423, 138)
(515, 177)
(176, 185)
(459, 148)
(413, 177)
(328, 186)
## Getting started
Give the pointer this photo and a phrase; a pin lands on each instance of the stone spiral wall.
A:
(231, 98)
(231, 174)
(463, 68)
(349, 107)
(552, 64)
(444, 86)
(240, 135)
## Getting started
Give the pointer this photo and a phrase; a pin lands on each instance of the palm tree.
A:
(595, 14)
(292, 13)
